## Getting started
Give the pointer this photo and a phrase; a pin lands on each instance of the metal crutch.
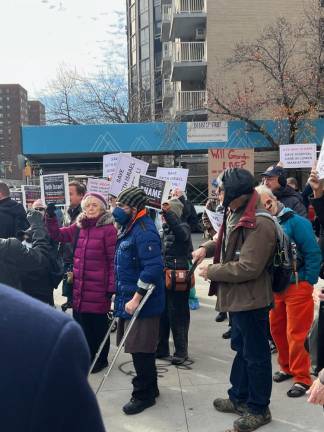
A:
(102, 344)
(129, 328)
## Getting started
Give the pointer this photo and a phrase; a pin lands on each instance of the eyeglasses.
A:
(40, 209)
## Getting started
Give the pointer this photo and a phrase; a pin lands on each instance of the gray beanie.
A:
(176, 206)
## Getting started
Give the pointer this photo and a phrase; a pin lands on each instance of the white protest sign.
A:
(298, 155)
(126, 169)
(176, 176)
(320, 163)
(98, 186)
(157, 190)
(216, 219)
(110, 162)
(55, 189)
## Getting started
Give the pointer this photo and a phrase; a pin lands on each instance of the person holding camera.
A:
(176, 248)
(93, 268)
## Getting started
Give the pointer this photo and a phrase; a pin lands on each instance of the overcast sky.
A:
(38, 35)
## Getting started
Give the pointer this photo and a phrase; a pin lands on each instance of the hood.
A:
(104, 219)
(12, 207)
(286, 192)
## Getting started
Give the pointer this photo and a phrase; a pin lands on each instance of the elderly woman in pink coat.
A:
(94, 237)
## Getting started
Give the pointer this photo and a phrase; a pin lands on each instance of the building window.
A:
(145, 51)
(145, 67)
(144, 19)
(143, 5)
(322, 3)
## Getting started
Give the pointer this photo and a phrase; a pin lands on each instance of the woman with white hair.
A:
(94, 236)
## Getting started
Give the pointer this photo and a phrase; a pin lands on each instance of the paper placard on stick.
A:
(55, 189)
(221, 159)
(176, 176)
(216, 219)
(16, 195)
(126, 169)
(298, 155)
(30, 193)
(110, 162)
(320, 163)
(99, 186)
(157, 190)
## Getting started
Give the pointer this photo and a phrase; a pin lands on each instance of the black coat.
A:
(44, 364)
(291, 199)
(13, 218)
(16, 260)
(176, 242)
(189, 214)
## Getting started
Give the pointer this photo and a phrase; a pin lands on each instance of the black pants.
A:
(176, 317)
(145, 382)
(251, 374)
(94, 326)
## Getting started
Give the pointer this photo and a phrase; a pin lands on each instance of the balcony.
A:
(169, 88)
(187, 16)
(166, 58)
(166, 22)
(190, 103)
(188, 61)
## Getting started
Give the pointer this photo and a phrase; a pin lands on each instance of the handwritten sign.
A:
(298, 155)
(176, 176)
(221, 159)
(110, 162)
(98, 186)
(216, 219)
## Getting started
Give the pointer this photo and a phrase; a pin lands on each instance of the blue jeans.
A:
(251, 374)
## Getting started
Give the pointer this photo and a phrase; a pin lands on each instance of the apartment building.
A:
(14, 113)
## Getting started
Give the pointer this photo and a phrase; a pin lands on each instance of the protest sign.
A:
(98, 185)
(110, 162)
(157, 190)
(320, 163)
(30, 193)
(221, 159)
(298, 155)
(55, 189)
(216, 219)
(126, 169)
(176, 176)
(16, 195)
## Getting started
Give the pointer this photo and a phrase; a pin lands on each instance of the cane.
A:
(129, 328)
(102, 344)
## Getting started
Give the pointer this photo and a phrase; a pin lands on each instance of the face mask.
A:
(120, 216)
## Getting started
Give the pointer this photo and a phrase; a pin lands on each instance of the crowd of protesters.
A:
(109, 254)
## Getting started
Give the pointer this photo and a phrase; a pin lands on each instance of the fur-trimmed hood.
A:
(105, 219)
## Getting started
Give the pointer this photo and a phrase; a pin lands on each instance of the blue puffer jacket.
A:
(300, 231)
(139, 256)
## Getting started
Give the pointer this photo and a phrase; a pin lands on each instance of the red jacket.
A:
(93, 264)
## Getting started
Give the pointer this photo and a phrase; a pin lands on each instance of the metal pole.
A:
(129, 328)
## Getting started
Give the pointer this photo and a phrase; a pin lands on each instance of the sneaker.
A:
(228, 406)
(99, 366)
(176, 360)
(194, 304)
(221, 316)
(136, 406)
(228, 334)
(250, 422)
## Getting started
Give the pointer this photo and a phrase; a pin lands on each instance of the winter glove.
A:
(50, 210)
(35, 219)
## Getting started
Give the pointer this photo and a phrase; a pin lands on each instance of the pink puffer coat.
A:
(93, 264)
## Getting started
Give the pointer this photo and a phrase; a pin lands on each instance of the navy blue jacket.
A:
(139, 257)
(43, 369)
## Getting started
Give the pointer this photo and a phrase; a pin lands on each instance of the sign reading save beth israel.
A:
(221, 159)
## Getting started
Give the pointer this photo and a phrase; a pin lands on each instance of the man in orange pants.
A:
(292, 316)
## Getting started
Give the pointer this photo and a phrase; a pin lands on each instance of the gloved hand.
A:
(35, 219)
(50, 210)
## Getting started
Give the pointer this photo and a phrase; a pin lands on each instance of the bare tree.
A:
(283, 69)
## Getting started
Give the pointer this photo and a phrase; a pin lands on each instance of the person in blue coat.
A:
(138, 266)
(292, 316)
(43, 369)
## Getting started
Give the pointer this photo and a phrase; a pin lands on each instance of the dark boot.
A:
(136, 406)
(221, 316)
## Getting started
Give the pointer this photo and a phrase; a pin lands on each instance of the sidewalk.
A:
(185, 403)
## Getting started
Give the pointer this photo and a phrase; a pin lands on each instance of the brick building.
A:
(36, 113)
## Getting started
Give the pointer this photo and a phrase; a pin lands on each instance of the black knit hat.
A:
(235, 182)
(133, 197)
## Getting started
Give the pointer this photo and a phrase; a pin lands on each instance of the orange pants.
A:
(290, 321)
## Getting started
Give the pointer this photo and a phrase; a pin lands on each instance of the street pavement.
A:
(187, 392)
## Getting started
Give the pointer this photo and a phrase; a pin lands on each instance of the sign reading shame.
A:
(156, 190)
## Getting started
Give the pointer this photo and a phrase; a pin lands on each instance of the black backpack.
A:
(283, 264)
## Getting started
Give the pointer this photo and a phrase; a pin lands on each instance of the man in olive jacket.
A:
(240, 278)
